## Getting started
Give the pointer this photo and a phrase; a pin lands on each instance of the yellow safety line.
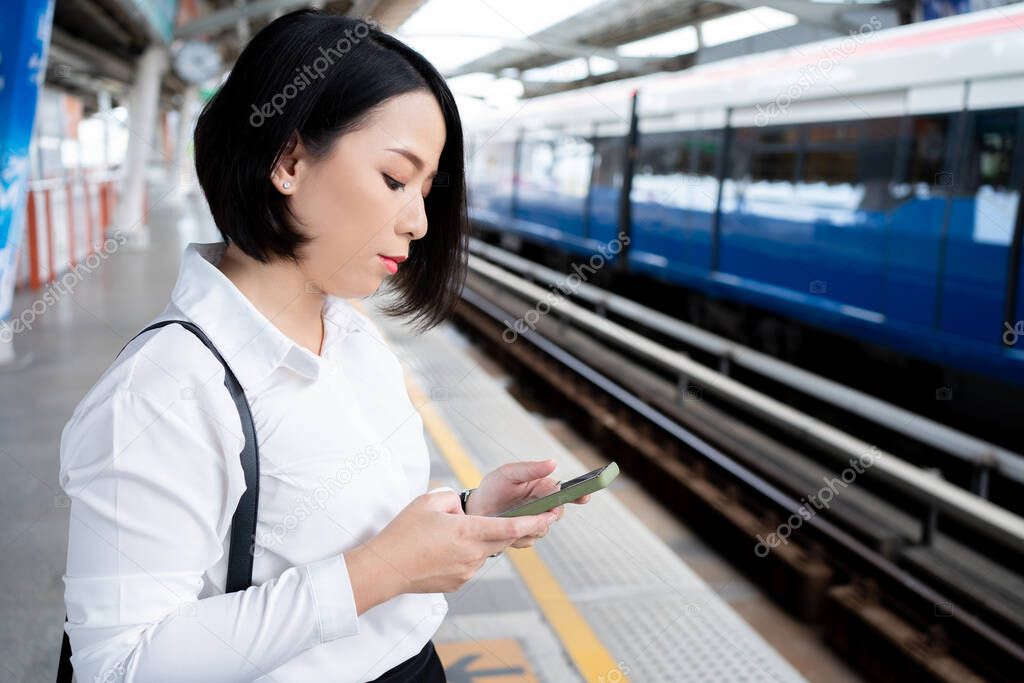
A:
(589, 655)
(592, 660)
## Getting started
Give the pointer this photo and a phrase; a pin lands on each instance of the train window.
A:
(536, 158)
(744, 136)
(878, 150)
(708, 146)
(876, 163)
(662, 160)
(560, 165)
(928, 151)
(764, 154)
(996, 194)
(662, 154)
(490, 172)
(830, 152)
(834, 132)
(782, 135)
(491, 161)
(609, 161)
(833, 167)
(885, 130)
(991, 151)
(773, 165)
(571, 165)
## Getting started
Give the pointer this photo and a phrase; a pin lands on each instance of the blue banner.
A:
(23, 46)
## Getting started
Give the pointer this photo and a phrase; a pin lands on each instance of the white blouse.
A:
(150, 463)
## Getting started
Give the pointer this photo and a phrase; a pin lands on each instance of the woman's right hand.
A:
(431, 546)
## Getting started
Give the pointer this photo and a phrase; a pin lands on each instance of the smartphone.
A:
(568, 491)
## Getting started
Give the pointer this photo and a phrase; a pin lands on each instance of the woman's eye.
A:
(392, 183)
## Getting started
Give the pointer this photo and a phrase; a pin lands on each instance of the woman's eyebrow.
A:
(411, 156)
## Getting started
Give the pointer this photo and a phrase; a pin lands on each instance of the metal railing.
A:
(937, 495)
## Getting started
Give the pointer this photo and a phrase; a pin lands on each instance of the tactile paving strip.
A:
(675, 639)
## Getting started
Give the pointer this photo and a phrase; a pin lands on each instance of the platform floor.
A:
(639, 612)
(605, 597)
(444, 367)
(69, 345)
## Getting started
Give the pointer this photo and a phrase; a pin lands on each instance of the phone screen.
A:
(582, 478)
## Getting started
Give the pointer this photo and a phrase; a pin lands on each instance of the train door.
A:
(980, 232)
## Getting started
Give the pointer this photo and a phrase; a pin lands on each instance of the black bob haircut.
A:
(323, 75)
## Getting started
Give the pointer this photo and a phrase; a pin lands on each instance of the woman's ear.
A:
(285, 175)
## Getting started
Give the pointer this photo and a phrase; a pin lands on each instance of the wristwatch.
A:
(464, 496)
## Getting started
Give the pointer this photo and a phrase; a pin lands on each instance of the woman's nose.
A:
(414, 219)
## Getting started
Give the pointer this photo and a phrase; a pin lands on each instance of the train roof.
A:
(973, 61)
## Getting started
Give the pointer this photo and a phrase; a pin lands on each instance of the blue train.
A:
(868, 186)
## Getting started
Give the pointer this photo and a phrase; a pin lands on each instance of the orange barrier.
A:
(58, 239)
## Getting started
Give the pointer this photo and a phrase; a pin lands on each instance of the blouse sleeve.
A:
(152, 492)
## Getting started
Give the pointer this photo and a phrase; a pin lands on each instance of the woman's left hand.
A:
(514, 483)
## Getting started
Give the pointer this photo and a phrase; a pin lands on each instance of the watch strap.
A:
(464, 496)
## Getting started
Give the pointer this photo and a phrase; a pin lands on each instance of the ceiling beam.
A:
(80, 55)
(832, 16)
(538, 89)
(598, 32)
(230, 17)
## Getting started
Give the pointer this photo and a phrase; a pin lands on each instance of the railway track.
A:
(911, 577)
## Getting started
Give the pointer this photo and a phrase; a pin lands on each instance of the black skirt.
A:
(424, 667)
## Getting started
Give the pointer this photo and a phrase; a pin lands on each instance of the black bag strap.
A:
(243, 523)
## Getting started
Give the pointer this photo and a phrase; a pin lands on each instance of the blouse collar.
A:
(251, 344)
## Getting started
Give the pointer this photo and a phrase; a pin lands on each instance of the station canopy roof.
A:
(492, 51)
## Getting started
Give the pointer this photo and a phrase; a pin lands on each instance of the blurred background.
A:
(737, 247)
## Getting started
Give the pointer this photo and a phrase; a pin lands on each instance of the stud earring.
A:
(286, 185)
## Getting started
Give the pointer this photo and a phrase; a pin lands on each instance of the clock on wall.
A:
(197, 61)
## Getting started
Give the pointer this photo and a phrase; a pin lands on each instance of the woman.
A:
(331, 159)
